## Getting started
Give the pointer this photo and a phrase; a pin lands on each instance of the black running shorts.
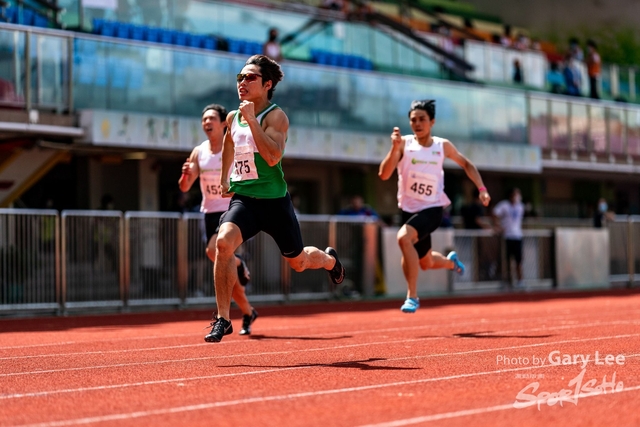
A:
(425, 222)
(514, 250)
(212, 224)
(273, 216)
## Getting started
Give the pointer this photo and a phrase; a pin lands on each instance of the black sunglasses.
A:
(249, 77)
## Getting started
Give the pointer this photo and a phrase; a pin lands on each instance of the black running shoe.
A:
(338, 272)
(244, 275)
(247, 320)
(219, 328)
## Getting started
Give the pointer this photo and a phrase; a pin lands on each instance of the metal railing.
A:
(109, 259)
(29, 259)
(82, 259)
(91, 259)
(487, 266)
(624, 248)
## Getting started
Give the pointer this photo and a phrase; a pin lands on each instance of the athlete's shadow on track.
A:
(489, 334)
(276, 337)
(353, 364)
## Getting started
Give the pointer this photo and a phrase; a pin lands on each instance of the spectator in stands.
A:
(472, 214)
(447, 44)
(333, 4)
(522, 42)
(486, 246)
(535, 45)
(358, 207)
(602, 214)
(505, 38)
(555, 79)
(517, 72)
(575, 50)
(507, 216)
(572, 81)
(8, 91)
(593, 68)
(107, 203)
(272, 47)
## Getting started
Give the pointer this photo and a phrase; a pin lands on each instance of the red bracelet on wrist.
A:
(481, 189)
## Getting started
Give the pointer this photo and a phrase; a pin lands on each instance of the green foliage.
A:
(620, 47)
(616, 45)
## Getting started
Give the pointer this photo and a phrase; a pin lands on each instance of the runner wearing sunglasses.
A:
(253, 148)
(205, 162)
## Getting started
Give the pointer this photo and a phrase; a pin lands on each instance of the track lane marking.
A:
(356, 332)
(484, 321)
(477, 411)
(155, 362)
(203, 406)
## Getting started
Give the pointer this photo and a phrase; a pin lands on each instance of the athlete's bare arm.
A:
(470, 169)
(190, 171)
(228, 151)
(390, 161)
(270, 136)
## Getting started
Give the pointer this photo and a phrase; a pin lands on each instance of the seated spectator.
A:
(555, 79)
(272, 47)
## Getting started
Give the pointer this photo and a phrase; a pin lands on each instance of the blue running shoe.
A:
(458, 266)
(410, 305)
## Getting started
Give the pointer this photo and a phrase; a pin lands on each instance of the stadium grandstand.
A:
(101, 100)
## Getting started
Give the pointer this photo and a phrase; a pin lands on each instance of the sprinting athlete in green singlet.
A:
(253, 149)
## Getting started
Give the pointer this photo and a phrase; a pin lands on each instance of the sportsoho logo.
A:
(579, 386)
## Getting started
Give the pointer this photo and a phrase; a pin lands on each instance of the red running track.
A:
(516, 361)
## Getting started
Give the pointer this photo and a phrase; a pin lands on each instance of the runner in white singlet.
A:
(205, 162)
(419, 160)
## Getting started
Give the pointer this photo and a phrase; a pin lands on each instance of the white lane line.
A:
(550, 318)
(154, 337)
(204, 406)
(356, 332)
(156, 362)
(263, 371)
(477, 411)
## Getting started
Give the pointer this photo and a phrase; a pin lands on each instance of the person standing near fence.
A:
(254, 145)
(205, 162)
(419, 160)
(508, 216)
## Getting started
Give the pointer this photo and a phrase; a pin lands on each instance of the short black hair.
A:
(222, 112)
(428, 105)
(269, 69)
(219, 108)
